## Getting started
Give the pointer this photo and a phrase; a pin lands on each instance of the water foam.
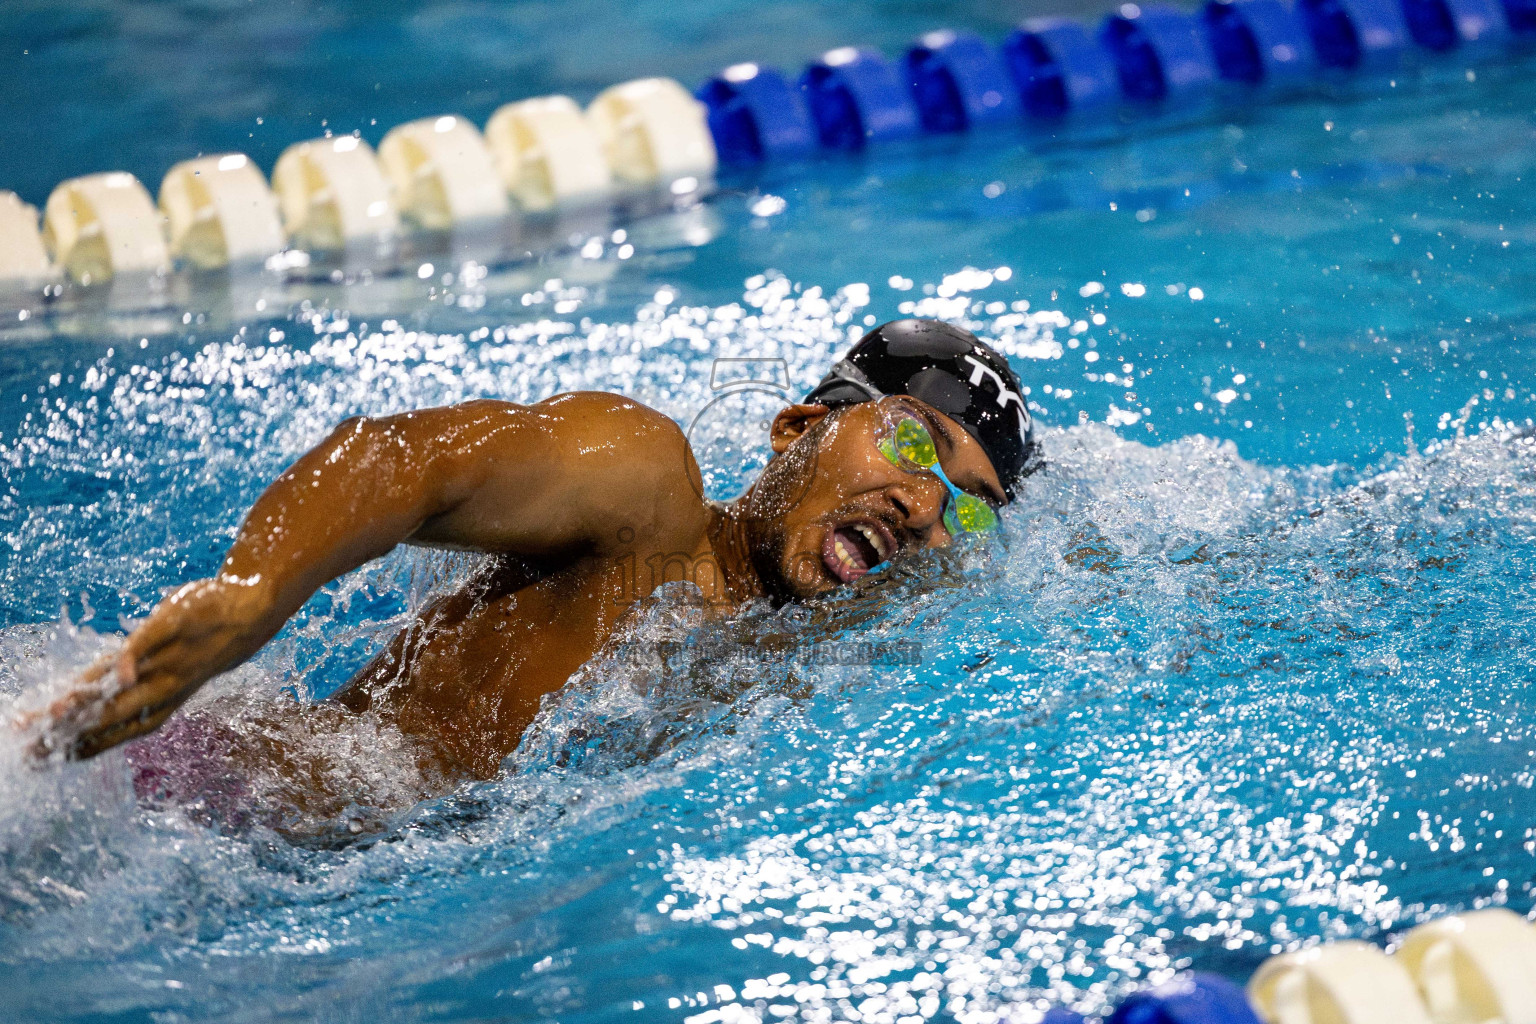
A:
(1195, 707)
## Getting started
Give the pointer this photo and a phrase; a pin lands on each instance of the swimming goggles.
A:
(909, 446)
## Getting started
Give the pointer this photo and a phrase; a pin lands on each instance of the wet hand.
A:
(197, 632)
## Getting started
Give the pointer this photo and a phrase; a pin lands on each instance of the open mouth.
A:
(852, 549)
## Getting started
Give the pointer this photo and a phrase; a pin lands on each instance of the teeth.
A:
(876, 541)
(854, 564)
(843, 556)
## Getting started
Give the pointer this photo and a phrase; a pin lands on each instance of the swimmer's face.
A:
(830, 506)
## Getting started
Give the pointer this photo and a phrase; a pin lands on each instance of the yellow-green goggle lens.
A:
(968, 513)
(914, 444)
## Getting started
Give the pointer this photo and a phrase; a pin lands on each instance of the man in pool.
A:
(588, 502)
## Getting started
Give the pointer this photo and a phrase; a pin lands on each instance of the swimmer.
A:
(587, 502)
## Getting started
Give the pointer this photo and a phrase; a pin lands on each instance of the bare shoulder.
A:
(594, 461)
(644, 471)
(614, 429)
(612, 414)
(571, 412)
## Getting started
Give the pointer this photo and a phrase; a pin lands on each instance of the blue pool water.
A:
(1253, 667)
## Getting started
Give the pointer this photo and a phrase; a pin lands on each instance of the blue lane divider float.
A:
(958, 82)
(1257, 42)
(1442, 25)
(1479, 21)
(1352, 34)
(756, 115)
(856, 98)
(1059, 69)
(1158, 51)
(1188, 999)
(1050, 68)
(1521, 15)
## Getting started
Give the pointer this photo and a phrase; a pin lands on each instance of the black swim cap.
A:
(951, 370)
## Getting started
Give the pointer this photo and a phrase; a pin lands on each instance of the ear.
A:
(791, 424)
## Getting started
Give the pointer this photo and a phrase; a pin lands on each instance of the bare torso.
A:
(465, 679)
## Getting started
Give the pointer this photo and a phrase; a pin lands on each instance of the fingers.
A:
(127, 668)
(98, 668)
(154, 632)
(102, 705)
(131, 713)
(73, 704)
(62, 717)
(94, 741)
(163, 681)
(152, 692)
(86, 722)
(142, 649)
(93, 685)
(184, 641)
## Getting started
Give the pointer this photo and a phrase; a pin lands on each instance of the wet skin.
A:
(587, 501)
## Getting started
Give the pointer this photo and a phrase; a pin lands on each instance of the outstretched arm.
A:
(554, 480)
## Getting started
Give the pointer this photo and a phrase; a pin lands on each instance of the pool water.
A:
(1250, 668)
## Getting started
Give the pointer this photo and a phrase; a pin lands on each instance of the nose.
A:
(919, 502)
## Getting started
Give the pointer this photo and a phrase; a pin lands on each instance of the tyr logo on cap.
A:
(981, 371)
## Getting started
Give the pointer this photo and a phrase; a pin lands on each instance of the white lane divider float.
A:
(23, 259)
(1343, 983)
(103, 225)
(1475, 968)
(219, 211)
(653, 133)
(442, 173)
(547, 154)
(332, 193)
